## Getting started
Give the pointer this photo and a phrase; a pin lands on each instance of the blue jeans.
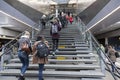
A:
(41, 67)
(112, 66)
(24, 58)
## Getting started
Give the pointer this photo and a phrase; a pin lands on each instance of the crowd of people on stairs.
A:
(26, 48)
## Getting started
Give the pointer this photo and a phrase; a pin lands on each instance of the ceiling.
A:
(13, 24)
(38, 4)
(108, 23)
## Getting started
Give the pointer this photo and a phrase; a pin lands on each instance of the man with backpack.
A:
(54, 32)
(40, 53)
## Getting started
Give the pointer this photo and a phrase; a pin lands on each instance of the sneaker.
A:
(56, 50)
(53, 53)
(21, 78)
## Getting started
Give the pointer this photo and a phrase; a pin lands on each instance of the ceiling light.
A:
(118, 22)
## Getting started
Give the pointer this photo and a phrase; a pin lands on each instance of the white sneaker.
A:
(56, 50)
(53, 53)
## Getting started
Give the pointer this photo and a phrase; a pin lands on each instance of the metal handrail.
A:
(104, 60)
(8, 46)
(94, 40)
(105, 55)
(14, 39)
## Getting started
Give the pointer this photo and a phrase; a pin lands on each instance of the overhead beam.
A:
(109, 34)
(106, 12)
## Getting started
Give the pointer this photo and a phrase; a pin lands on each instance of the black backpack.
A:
(42, 50)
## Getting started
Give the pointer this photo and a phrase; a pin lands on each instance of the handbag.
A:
(25, 47)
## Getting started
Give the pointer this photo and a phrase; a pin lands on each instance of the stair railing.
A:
(9, 50)
(86, 36)
(90, 39)
(103, 57)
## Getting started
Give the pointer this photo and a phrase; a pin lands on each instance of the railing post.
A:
(90, 41)
(101, 61)
(56, 11)
(2, 59)
(32, 35)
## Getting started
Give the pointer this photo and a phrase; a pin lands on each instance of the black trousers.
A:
(55, 44)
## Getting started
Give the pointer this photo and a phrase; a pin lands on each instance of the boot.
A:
(21, 78)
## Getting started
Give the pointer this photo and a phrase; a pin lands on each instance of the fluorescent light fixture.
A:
(118, 22)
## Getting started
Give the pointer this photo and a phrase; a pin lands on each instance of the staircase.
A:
(74, 60)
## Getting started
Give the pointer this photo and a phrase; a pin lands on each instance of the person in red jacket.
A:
(70, 19)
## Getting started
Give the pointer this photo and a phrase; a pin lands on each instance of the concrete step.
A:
(62, 61)
(61, 40)
(70, 29)
(81, 52)
(91, 79)
(73, 35)
(52, 78)
(62, 32)
(68, 56)
(70, 74)
(69, 49)
(67, 28)
(36, 78)
(73, 52)
(66, 40)
(62, 37)
(68, 44)
(71, 45)
(55, 66)
(72, 56)
(71, 41)
(62, 43)
(8, 78)
(67, 35)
